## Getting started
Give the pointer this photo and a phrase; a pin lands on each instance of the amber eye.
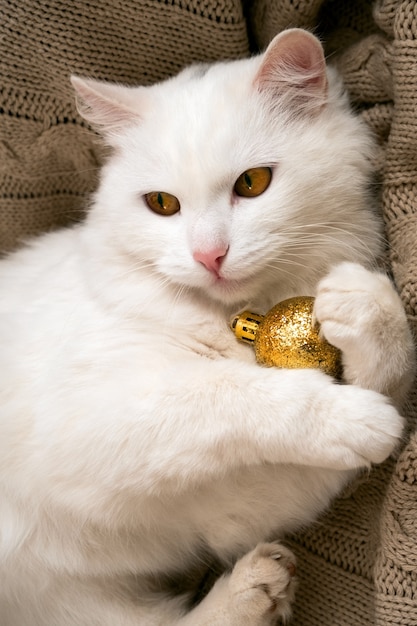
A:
(253, 182)
(162, 203)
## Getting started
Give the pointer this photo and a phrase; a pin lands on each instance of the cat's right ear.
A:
(107, 107)
(293, 70)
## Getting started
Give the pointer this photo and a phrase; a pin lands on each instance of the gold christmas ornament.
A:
(286, 337)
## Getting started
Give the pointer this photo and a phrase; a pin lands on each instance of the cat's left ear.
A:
(106, 106)
(293, 68)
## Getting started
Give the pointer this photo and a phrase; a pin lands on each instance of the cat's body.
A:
(135, 432)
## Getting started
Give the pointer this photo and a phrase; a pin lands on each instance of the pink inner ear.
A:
(105, 105)
(294, 59)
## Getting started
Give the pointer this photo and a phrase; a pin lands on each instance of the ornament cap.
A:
(245, 326)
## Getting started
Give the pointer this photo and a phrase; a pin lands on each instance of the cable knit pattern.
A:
(358, 564)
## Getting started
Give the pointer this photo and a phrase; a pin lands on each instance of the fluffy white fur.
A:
(134, 429)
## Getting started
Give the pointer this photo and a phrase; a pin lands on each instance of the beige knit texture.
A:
(358, 564)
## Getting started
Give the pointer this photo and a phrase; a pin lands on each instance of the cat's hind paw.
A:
(262, 585)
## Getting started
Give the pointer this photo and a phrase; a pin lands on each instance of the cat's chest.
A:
(219, 347)
(203, 334)
(211, 341)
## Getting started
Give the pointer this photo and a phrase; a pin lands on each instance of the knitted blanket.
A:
(358, 563)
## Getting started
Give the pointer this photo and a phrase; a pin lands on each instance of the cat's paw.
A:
(360, 313)
(355, 428)
(353, 305)
(262, 586)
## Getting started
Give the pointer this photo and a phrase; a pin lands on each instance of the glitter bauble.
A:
(287, 337)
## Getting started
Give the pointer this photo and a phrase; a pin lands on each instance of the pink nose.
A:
(212, 259)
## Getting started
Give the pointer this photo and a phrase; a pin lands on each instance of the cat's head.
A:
(236, 178)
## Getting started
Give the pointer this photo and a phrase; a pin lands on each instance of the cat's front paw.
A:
(262, 586)
(360, 313)
(356, 427)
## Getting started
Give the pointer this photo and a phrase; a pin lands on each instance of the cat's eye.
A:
(162, 202)
(253, 182)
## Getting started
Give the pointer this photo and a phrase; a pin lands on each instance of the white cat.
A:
(136, 433)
